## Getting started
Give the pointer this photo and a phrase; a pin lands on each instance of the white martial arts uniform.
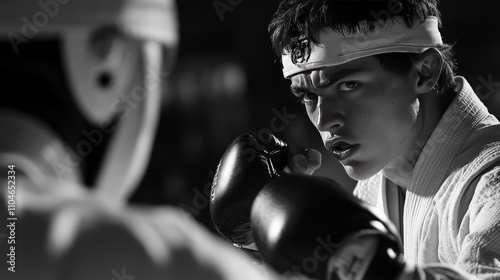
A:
(451, 212)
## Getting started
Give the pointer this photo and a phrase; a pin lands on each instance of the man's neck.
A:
(432, 108)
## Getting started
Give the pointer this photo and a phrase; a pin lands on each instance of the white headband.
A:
(390, 36)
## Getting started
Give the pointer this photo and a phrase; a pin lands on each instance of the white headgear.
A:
(112, 50)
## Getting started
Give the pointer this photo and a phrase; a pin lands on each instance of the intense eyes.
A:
(347, 86)
(308, 97)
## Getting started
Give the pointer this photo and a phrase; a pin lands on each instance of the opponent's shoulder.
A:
(87, 240)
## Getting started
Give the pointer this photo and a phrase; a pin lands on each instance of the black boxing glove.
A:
(250, 161)
(311, 226)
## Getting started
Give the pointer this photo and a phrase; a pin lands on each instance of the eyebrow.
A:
(332, 79)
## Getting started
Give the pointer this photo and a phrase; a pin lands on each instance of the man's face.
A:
(367, 117)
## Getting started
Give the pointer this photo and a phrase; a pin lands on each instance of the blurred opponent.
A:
(81, 92)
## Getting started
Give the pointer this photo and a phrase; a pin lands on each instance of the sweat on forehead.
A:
(335, 48)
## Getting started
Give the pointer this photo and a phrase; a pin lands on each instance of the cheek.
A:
(405, 113)
(397, 105)
(385, 122)
(312, 114)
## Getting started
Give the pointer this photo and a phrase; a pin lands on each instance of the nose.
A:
(328, 116)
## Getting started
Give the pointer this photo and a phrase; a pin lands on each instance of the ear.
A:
(428, 69)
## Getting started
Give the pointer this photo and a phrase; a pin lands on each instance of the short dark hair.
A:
(295, 20)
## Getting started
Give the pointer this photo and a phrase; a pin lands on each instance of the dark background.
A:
(227, 81)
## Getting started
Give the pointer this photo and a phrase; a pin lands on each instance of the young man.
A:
(378, 83)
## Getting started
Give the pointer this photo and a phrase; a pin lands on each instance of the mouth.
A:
(341, 150)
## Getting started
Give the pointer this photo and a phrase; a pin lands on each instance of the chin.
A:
(358, 173)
